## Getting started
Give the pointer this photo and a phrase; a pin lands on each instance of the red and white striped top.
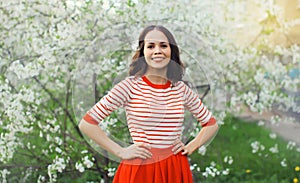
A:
(155, 113)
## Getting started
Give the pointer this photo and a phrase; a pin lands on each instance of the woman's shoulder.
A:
(180, 83)
(184, 86)
(132, 79)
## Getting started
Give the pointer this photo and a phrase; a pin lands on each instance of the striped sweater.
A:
(155, 113)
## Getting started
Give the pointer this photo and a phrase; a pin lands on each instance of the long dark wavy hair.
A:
(138, 66)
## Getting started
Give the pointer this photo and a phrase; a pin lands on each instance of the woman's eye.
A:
(164, 46)
(149, 46)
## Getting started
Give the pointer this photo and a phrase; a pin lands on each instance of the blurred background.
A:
(58, 58)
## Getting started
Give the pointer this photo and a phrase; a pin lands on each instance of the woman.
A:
(154, 97)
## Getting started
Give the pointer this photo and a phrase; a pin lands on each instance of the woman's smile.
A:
(158, 59)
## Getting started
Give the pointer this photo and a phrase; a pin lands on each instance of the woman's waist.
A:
(158, 142)
(158, 154)
(161, 151)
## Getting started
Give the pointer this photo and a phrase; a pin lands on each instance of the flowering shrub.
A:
(59, 57)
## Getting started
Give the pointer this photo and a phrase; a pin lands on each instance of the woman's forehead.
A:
(156, 36)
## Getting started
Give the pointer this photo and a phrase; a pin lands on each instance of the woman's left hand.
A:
(179, 146)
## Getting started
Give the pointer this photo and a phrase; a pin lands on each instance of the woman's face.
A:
(157, 51)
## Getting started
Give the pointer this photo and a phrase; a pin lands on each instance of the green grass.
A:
(234, 139)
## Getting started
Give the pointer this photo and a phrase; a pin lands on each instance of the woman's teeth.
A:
(157, 59)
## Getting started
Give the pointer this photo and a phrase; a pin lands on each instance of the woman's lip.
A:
(158, 58)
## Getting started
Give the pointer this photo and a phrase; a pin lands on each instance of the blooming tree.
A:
(60, 57)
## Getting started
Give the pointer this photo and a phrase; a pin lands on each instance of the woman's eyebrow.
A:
(153, 42)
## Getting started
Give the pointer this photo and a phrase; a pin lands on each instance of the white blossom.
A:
(283, 163)
(84, 152)
(58, 165)
(273, 135)
(226, 171)
(192, 167)
(58, 140)
(4, 174)
(261, 123)
(274, 149)
(79, 167)
(41, 179)
(111, 172)
(228, 159)
(291, 145)
(88, 163)
(202, 150)
(57, 149)
(257, 146)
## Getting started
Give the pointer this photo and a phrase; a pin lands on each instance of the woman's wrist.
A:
(119, 152)
(191, 147)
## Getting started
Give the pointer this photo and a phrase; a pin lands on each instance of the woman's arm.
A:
(98, 135)
(205, 134)
(204, 116)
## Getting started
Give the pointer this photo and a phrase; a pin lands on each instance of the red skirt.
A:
(163, 167)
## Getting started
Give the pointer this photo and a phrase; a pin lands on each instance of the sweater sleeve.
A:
(117, 97)
(196, 107)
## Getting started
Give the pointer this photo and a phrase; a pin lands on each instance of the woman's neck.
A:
(156, 79)
(157, 76)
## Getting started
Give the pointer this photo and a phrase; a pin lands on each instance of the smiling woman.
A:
(157, 54)
(154, 97)
(157, 42)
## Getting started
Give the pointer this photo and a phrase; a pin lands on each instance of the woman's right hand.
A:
(138, 150)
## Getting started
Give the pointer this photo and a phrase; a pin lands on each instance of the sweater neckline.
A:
(158, 86)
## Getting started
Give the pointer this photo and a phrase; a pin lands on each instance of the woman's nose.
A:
(157, 50)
